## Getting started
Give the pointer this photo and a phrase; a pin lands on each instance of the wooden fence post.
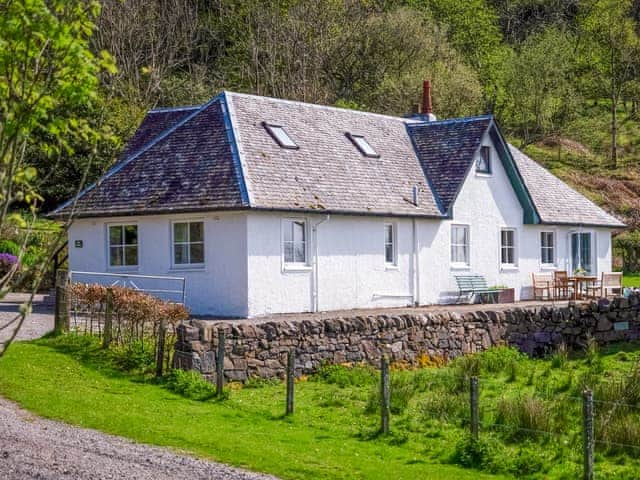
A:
(385, 394)
(291, 359)
(108, 319)
(220, 363)
(61, 317)
(162, 333)
(588, 433)
(475, 411)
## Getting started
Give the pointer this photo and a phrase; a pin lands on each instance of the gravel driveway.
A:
(32, 447)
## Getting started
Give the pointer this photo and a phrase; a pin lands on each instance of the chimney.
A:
(427, 107)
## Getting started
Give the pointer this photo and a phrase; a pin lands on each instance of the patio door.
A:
(582, 252)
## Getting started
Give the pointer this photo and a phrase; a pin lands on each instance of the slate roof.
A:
(190, 167)
(327, 172)
(445, 150)
(218, 156)
(555, 201)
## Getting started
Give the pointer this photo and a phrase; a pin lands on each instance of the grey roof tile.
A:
(555, 201)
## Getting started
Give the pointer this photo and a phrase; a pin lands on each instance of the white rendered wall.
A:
(351, 265)
(218, 288)
(487, 203)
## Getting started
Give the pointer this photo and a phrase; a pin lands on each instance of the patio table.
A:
(578, 282)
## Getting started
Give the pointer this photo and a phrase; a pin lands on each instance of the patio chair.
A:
(562, 286)
(609, 282)
(542, 283)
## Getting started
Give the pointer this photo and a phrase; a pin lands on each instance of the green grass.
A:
(334, 431)
(329, 436)
(631, 280)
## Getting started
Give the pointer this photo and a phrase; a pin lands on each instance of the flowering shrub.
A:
(7, 262)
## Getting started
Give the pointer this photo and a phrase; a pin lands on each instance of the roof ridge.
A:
(474, 118)
(323, 107)
(174, 109)
(120, 165)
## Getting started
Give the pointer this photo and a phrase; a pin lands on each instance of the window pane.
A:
(196, 232)
(388, 253)
(388, 234)
(364, 146)
(115, 256)
(180, 232)
(288, 231)
(131, 255)
(115, 235)
(299, 252)
(197, 252)
(181, 253)
(130, 235)
(298, 231)
(288, 252)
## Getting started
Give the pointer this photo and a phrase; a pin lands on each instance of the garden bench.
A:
(472, 285)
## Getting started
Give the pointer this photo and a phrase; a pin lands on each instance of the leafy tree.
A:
(541, 96)
(47, 74)
(610, 47)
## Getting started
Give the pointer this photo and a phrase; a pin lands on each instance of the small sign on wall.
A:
(618, 326)
(78, 243)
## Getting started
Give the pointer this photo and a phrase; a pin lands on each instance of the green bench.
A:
(471, 285)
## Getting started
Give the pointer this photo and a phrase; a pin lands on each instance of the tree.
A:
(541, 96)
(610, 46)
(47, 74)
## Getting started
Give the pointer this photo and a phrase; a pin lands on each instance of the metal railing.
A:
(151, 284)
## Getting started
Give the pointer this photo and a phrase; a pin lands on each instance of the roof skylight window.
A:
(361, 143)
(278, 133)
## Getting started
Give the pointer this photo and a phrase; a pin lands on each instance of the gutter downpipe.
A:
(314, 231)
(416, 264)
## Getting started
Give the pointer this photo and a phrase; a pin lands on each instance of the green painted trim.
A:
(530, 214)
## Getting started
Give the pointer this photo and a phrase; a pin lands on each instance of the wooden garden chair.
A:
(609, 283)
(542, 282)
(562, 286)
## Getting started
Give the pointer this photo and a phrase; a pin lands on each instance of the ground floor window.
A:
(295, 241)
(188, 243)
(581, 253)
(389, 244)
(123, 245)
(547, 248)
(460, 244)
(508, 247)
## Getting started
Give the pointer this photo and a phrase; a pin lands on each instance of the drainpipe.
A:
(314, 231)
(416, 264)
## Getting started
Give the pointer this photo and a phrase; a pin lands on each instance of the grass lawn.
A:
(631, 280)
(333, 433)
(324, 439)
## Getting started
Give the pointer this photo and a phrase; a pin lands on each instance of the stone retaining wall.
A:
(260, 349)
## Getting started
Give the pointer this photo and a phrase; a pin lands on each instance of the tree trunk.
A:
(614, 133)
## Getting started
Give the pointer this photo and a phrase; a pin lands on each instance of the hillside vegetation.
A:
(555, 73)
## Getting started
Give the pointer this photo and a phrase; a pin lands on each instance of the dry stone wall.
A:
(261, 349)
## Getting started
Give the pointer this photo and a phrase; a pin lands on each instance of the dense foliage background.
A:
(561, 76)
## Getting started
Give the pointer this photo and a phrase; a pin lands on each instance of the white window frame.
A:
(280, 136)
(295, 266)
(394, 244)
(108, 246)
(514, 265)
(460, 265)
(554, 235)
(178, 266)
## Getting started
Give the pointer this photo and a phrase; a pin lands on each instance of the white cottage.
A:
(273, 206)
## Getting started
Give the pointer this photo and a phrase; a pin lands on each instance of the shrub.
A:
(463, 369)
(134, 357)
(9, 246)
(7, 262)
(560, 356)
(189, 384)
(485, 453)
(524, 415)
